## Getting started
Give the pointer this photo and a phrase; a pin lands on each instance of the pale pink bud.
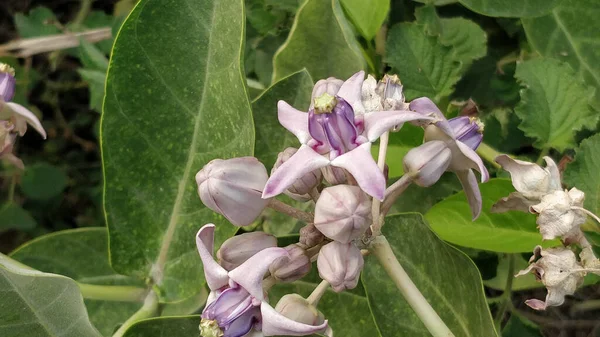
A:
(310, 235)
(340, 264)
(427, 162)
(293, 267)
(233, 188)
(297, 308)
(236, 250)
(301, 187)
(343, 213)
(334, 175)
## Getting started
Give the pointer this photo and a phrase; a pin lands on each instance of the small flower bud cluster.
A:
(560, 214)
(14, 117)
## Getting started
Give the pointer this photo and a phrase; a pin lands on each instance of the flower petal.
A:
(552, 168)
(528, 178)
(536, 304)
(361, 165)
(294, 120)
(514, 202)
(350, 91)
(23, 113)
(301, 163)
(469, 183)
(216, 276)
(425, 106)
(477, 163)
(275, 324)
(249, 275)
(378, 122)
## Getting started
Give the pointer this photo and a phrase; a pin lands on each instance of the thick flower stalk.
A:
(449, 146)
(13, 117)
(336, 132)
(237, 305)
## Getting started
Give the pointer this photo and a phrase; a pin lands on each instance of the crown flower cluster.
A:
(334, 170)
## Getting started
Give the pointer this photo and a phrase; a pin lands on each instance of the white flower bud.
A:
(530, 179)
(310, 236)
(292, 268)
(558, 270)
(301, 188)
(237, 249)
(556, 216)
(233, 188)
(296, 308)
(427, 162)
(343, 213)
(340, 264)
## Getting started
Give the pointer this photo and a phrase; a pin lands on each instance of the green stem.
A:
(375, 209)
(284, 208)
(148, 310)
(112, 293)
(11, 188)
(316, 295)
(507, 295)
(488, 153)
(380, 247)
(542, 155)
(585, 306)
(84, 10)
(394, 191)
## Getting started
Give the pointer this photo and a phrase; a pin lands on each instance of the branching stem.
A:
(316, 295)
(507, 295)
(375, 210)
(149, 309)
(284, 208)
(380, 247)
(112, 293)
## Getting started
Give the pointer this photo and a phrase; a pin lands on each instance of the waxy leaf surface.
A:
(583, 172)
(447, 278)
(321, 41)
(39, 304)
(178, 326)
(175, 99)
(367, 16)
(510, 8)
(509, 232)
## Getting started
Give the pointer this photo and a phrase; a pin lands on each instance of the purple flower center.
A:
(234, 311)
(331, 125)
(468, 130)
(7, 86)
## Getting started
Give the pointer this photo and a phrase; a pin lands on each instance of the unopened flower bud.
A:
(329, 86)
(300, 189)
(237, 249)
(343, 212)
(558, 270)
(233, 188)
(556, 214)
(297, 308)
(427, 162)
(340, 264)
(310, 236)
(7, 82)
(390, 90)
(334, 175)
(293, 267)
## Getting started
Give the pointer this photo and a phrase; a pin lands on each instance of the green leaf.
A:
(519, 283)
(40, 21)
(518, 326)
(271, 137)
(367, 16)
(15, 217)
(447, 278)
(347, 313)
(467, 39)
(397, 152)
(187, 107)
(320, 41)
(425, 66)
(420, 199)
(583, 172)
(508, 232)
(91, 57)
(39, 304)
(437, 2)
(554, 103)
(82, 254)
(428, 18)
(567, 34)
(96, 81)
(510, 8)
(180, 326)
(43, 181)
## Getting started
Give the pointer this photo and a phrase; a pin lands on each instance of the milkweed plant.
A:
(291, 206)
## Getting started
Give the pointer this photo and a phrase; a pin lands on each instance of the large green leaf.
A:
(583, 173)
(568, 33)
(554, 103)
(180, 326)
(15, 217)
(39, 304)
(82, 254)
(500, 232)
(425, 66)
(320, 41)
(367, 16)
(43, 181)
(271, 137)
(510, 8)
(347, 313)
(447, 278)
(175, 99)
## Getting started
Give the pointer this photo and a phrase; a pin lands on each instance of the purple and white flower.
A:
(237, 305)
(336, 132)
